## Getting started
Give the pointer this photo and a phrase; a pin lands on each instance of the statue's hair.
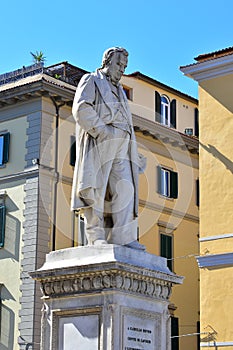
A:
(110, 52)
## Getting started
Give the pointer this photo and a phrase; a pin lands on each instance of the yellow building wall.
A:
(17, 128)
(216, 193)
(216, 304)
(216, 167)
(180, 214)
(10, 270)
(143, 102)
(63, 216)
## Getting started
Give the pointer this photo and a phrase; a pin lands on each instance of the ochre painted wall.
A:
(10, 270)
(143, 102)
(181, 217)
(216, 207)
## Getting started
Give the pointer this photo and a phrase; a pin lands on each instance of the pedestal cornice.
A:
(82, 270)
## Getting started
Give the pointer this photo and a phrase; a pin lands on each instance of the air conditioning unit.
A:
(189, 131)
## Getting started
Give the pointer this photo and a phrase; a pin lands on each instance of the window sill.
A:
(168, 198)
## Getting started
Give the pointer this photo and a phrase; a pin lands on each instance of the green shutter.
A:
(198, 335)
(175, 333)
(173, 114)
(6, 147)
(163, 246)
(159, 170)
(72, 150)
(196, 122)
(2, 224)
(157, 107)
(197, 193)
(173, 184)
(166, 248)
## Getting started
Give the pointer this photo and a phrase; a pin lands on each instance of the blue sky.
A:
(160, 36)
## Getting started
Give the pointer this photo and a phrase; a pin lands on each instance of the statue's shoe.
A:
(100, 242)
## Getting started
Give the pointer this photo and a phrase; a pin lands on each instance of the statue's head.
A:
(114, 62)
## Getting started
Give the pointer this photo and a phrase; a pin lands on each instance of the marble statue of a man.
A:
(105, 183)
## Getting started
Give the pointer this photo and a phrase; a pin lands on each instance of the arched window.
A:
(165, 110)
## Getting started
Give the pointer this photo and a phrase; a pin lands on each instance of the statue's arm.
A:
(84, 110)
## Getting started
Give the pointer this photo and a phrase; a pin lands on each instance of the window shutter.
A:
(166, 248)
(163, 246)
(196, 122)
(2, 224)
(173, 114)
(197, 193)
(159, 170)
(6, 147)
(157, 107)
(175, 332)
(72, 150)
(198, 335)
(173, 184)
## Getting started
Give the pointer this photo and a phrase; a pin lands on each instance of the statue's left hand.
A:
(141, 163)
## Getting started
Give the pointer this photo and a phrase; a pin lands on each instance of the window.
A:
(82, 240)
(165, 110)
(4, 147)
(129, 92)
(174, 333)
(78, 230)
(2, 224)
(196, 122)
(166, 248)
(72, 150)
(198, 335)
(167, 183)
(197, 193)
(188, 131)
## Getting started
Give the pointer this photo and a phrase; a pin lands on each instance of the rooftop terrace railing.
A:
(21, 73)
(38, 68)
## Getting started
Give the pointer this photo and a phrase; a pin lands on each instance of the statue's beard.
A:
(115, 78)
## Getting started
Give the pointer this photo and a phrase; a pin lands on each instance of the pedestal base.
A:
(109, 298)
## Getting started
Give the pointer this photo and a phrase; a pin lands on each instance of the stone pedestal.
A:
(105, 298)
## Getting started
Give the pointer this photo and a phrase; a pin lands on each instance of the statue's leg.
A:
(122, 191)
(94, 215)
(94, 225)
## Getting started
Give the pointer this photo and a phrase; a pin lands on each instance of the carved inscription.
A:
(138, 333)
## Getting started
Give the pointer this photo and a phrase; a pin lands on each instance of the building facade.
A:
(214, 73)
(164, 119)
(37, 133)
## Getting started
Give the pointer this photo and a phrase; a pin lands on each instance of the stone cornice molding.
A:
(165, 134)
(28, 172)
(215, 260)
(105, 280)
(209, 69)
(37, 86)
(216, 237)
(216, 344)
(169, 211)
(90, 269)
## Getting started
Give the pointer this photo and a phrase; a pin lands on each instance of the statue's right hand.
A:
(105, 133)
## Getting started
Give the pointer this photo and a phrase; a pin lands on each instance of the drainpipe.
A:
(57, 108)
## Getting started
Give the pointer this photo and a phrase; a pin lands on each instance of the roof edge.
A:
(141, 76)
